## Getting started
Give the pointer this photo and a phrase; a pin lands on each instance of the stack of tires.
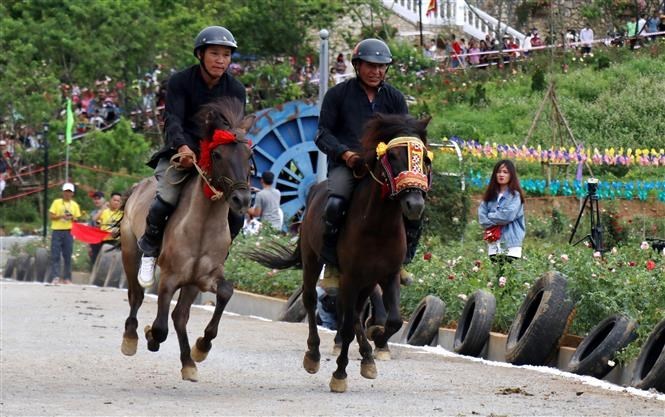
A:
(24, 267)
(108, 270)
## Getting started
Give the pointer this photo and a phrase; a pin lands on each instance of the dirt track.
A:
(60, 355)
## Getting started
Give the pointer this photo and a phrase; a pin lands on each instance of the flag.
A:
(431, 7)
(88, 234)
(70, 123)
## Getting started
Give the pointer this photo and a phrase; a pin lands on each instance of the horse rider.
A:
(187, 92)
(345, 110)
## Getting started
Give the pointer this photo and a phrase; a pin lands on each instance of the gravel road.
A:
(60, 355)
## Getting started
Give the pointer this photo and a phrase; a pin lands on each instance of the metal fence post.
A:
(322, 163)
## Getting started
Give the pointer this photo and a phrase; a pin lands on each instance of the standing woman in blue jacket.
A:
(503, 206)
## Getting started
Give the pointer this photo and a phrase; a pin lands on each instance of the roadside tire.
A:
(22, 266)
(41, 264)
(473, 328)
(650, 366)
(601, 345)
(10, 267)
(294, 310)
(423, 326)
(540, 321)
(116, 270)
(101, 267)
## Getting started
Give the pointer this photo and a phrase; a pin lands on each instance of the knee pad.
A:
(335, 209)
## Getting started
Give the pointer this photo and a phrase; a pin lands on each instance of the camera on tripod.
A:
(595, 237)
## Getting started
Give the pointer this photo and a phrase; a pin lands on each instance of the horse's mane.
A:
(226, 112)
(384, 127)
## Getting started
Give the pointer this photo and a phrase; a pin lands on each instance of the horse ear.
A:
(247, 122)
(424, 121)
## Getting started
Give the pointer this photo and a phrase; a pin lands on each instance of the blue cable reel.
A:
(283, 140)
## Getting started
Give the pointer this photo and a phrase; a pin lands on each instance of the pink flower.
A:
(597, 254)
(564, 257)
(632, 263)
(427, 256)
(651, 265)
(644, 245)
(502, 281)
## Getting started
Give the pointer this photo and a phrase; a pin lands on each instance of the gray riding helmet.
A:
(372, 50)
(215, 35)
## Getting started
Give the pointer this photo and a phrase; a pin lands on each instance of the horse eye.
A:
(216, 155)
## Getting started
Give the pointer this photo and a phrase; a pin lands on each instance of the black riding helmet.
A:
(372, 50)
(214, 35)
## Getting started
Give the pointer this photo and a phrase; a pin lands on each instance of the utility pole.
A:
(46, 206)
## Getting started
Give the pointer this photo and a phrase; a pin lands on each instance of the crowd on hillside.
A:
(458, 53)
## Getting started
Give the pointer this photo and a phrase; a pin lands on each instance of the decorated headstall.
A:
(220, 137)
(418, 174)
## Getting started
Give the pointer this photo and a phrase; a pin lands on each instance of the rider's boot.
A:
(413, 231)
(333, 217)
(151, 241)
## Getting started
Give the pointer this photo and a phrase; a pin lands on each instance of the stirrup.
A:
(330, 278)
(405, 277)
(146, 276)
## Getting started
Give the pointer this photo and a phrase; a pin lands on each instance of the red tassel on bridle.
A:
(220, 137)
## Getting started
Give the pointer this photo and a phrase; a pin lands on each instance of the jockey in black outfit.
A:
(345, 110)
(187, 91)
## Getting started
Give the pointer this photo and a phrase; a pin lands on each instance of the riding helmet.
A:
(215, 35)
(372, 50)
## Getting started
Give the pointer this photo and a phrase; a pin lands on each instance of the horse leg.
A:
(391, 295)
(135, 294)
(367, 365)
(160, 327)
(180, 317)
(311, 270)
(348, 298)
(378, 315)
(204, 344)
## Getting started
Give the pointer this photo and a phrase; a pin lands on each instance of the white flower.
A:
(475, 269)
(455, 220)
(644, 245)
(591, 54)
(611, 363)
(462, 297)
(587, 244)
(613, 270)
(502, 282)
(550, 256)
(490, 285)
(564, 257)
(481, 250)
(552, 261)
(574, 59)
(420, 281)
(614, 250)
(527, 285)
(597, 254)
(593, 275)
(258, 244)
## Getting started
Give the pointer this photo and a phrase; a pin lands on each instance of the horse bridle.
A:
(228, 185)
(415, 177)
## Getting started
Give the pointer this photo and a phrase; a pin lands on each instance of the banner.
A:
(88, 234)
(431, 7)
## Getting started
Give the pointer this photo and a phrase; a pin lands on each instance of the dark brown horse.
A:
(372, 243)
(196, 239)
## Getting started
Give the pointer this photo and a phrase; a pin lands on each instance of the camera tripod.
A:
(596, 235)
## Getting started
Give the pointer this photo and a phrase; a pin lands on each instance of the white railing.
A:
(470, 19)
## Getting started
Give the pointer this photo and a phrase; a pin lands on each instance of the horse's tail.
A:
(277, 255)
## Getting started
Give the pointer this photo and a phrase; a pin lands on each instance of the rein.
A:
(220, 137)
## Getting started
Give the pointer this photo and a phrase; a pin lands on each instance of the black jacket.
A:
(344, 112)
(185, 94)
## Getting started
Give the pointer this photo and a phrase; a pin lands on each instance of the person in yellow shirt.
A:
(109, 218)
(63, 212)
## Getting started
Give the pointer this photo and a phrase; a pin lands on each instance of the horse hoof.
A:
(374, 331)
(128, 347)
(337, 385)
(197, 355)
(382, 354)
(337, 349)
(368, 370)
(310, 365)
(189, 373)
